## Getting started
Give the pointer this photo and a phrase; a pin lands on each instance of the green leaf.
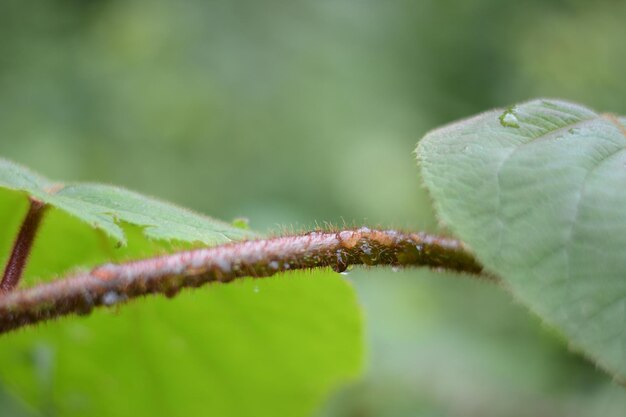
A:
(267, 347)
(104, 207)
(538, 191)
(272, 347)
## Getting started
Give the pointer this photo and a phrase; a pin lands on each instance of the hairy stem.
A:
(114, 283)
(22, 246)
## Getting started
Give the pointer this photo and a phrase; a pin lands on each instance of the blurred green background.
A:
(304, 112)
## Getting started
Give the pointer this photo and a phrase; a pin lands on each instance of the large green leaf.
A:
(538, 191)
(271, 347)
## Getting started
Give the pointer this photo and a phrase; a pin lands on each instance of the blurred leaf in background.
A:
(290, 113)
(255, 347)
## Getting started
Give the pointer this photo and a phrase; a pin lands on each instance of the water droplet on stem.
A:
(112, 297)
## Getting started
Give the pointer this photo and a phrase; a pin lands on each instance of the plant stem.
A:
(113, 283)
(22, 246)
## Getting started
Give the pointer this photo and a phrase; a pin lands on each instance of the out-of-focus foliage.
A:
(274, 347)
(245, 349)
(296, 112)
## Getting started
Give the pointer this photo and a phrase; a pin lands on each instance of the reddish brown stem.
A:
(113, 283)
(22, 246)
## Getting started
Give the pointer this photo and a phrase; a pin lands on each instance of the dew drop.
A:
(256, 289)
(341, 264)
(347, 270)
(509, 119)
(344, 235)
(340, 268)
(224, 265)
(241, 223)
(395, 269)
(112, 297)
(273, 265)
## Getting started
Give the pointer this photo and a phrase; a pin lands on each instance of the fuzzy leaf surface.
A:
(538, 191)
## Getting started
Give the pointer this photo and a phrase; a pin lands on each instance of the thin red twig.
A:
(22, 246)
